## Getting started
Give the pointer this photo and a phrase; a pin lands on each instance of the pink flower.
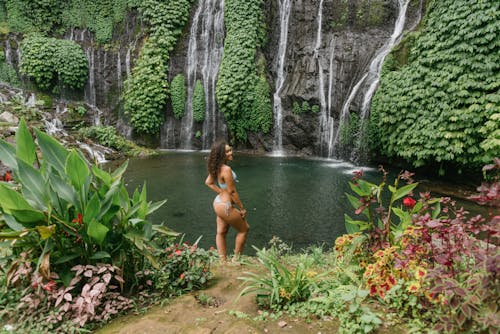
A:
(178, 252)
(181, 277)
(409, 202)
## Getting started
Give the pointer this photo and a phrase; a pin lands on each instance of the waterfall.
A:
(127, 61)
(119, 70)
(205, 48)
(8, 53)
(192, 62)
(372, 77)
(376, 65)
(331, 120)
(284, 10)
(212, 36)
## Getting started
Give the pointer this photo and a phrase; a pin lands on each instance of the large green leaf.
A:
(102, 175)
(12, 222)
(25, 146)
(405, 190)
(77, 170)
(8, 155)
(92, 210)
(97, 231)
(12, 200)
(53, 152)
(65, 191)
(34, 186)
(117, 173)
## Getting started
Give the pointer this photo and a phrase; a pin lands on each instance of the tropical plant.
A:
(370, 204)
(280, 286)
(69, 213)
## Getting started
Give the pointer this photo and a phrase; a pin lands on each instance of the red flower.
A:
(49, 286)
(7, 177)
(78, 219)
(178, 252)
(409, 202)
(182, 276)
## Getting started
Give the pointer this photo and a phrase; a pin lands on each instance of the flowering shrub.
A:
(183, 267)
(435, 257)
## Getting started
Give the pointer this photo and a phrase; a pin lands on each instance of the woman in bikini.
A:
(221, 179)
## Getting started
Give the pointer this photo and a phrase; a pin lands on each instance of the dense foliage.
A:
(57, 16)
(261, 117)
(199, 105)
(239, 83)
(50, 62)
(73, 241)
(419, 265)
(178, 95)
(442, 104)
(146, 90)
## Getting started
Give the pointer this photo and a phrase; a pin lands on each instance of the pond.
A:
(302, 201)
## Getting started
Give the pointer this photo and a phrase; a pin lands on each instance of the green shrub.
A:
(178, 95)
(441, 106)
(49, 61)
(199, 106)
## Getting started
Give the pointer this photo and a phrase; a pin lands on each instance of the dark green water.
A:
(301, 201)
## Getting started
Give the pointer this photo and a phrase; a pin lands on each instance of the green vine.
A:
(443, 104)
(261, 118)
(238, 75)
(178, 95)
(199, 106)
(147, 90)
(49, 61)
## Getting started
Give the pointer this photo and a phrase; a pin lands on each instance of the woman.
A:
(227, 214)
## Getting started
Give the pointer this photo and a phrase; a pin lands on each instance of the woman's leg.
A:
(220, 238)
(235, 220)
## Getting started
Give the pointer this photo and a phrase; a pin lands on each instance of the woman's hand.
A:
(243, 213)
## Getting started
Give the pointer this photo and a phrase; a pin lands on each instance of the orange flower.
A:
(181, 277)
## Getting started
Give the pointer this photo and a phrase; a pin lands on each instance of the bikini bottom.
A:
(227, 205)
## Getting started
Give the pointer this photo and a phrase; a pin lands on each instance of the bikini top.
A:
(223, 185)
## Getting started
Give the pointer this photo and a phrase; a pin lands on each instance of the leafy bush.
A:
(49, 61)
(442, 105)
(238, 77)
(105, 135)
(199, 106)
(68, 213)
(146, 89)
(178, 95)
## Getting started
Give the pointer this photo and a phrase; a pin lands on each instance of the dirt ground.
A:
(186, 315)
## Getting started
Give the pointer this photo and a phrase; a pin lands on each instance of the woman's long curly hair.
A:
(216, 158)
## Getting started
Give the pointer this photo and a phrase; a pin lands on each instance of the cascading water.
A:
(372, 77)
(205, 48)
(192, 62)
(212, 36)
(8, 53)
(326, 121)
(285, 7)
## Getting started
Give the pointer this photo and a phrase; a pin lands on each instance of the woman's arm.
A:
(231, 188)
(210, 182)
